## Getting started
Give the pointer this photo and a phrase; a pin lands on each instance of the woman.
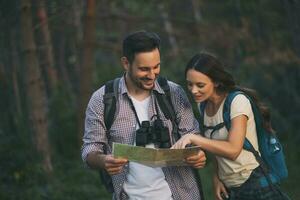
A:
(237, 170)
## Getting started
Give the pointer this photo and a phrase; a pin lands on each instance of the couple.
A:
(236, 169)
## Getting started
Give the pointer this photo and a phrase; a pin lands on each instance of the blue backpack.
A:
(271, 157)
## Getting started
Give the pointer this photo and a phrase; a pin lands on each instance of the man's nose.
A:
(151, 74)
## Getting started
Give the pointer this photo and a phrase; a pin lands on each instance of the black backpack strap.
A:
(110, 101)
(166, 105)
(110, 106)
(165, 101)
(201, 110)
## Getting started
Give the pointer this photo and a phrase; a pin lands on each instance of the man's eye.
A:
(144, 69)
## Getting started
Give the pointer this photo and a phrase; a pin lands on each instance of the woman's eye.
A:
(200, 85)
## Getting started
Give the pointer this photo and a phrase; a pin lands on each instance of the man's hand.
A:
(197, 161)
(97, 160)
(114, 165)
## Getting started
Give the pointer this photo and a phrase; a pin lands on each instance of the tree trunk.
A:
(198, 20)
(197, 11)
(64, 76)
(36, 96)
(238, 24)
(15, 72)
(77, 8)
(169, 29)
(47, 52)
(89, 37)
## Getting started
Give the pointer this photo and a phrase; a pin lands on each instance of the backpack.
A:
(111, 107)
(272, 158)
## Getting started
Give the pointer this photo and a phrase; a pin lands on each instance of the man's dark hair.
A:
(138, 42)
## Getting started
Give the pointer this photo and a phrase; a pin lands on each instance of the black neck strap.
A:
(214, 128)
(156, 109)
(135, 113)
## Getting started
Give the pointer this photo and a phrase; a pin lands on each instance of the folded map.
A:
(154, 157)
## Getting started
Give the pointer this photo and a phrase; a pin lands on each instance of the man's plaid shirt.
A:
(180, 179)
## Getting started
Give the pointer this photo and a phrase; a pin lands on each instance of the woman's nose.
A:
(193, 89)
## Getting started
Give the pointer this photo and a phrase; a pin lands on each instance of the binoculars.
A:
(156, 133)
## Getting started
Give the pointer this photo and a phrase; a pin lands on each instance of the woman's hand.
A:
(183, 141)
(114, 165)
(197, 161)
(220, 190)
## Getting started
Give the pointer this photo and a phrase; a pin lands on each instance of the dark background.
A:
(54, 54)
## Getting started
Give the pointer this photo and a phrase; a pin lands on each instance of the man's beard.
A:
(138, 82)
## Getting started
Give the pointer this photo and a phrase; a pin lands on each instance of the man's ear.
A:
(125, 63)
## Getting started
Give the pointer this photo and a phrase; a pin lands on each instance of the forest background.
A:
(54, 54)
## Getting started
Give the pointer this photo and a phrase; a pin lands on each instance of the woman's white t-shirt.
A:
(234, 173)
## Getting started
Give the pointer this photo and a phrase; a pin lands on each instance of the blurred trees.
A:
(88, 60)
(35, 89)
(53, 54)
(46, 50)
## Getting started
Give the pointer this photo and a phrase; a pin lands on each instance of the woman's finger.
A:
(114, 170)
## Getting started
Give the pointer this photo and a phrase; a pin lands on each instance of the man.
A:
(137, 103)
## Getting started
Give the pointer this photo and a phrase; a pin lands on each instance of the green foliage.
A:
(290, 185)
(75, 182)
(70, 181)
(107, 68)
(63, 124)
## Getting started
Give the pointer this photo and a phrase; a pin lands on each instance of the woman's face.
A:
(200, 85)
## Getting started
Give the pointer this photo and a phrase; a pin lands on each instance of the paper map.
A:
(154, 157)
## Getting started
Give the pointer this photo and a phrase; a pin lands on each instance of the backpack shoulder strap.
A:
(201, 109)
(227, 107)
(166, 105)
(226, 115)
(110, 101)
(165, 101)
